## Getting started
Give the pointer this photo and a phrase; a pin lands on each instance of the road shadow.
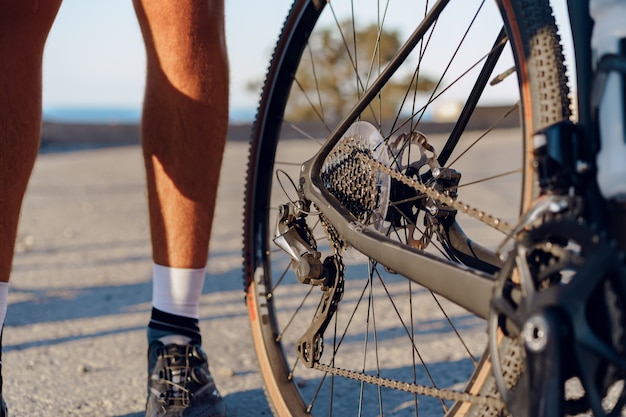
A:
(246, 403)
(60, 304)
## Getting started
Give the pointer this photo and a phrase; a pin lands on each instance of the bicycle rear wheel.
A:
(386, 328)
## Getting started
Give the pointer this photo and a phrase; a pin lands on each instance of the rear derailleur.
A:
(295, 238)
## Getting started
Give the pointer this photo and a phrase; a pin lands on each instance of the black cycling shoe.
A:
(179, 382)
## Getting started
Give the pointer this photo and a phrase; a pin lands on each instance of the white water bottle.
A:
(608, 32)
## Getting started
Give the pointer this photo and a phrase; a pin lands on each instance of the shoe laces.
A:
(184, 371)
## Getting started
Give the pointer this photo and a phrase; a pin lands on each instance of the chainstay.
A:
(418, 389)
(488, 219)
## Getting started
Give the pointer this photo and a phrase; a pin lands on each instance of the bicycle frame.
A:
(468, 287)
(539, 292)
(472, 289)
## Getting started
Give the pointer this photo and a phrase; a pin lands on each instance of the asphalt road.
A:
(74, 341)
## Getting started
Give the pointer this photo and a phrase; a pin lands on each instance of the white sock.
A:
(4, 295)
(177, 290)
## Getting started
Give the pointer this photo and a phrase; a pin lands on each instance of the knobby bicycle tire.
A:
(283, 116)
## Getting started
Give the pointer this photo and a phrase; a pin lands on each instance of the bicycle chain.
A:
(488, 219)
(418, 389)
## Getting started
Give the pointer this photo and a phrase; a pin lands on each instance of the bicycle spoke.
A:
(293, 316)
(493, 177)
(484, 134)
(453, 327)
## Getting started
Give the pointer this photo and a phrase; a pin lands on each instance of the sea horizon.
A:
(121, 115)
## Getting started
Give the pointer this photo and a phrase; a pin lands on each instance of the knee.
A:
(185, 42)
(180, 26)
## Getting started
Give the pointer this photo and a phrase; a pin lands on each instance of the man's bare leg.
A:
(183, 134)
(184, 124)
(24, 27)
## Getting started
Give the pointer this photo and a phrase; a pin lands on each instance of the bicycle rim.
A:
(387, 328)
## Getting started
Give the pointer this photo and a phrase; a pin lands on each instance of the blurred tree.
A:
(333, 73)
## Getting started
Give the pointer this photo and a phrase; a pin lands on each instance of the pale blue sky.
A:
(95, 57)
